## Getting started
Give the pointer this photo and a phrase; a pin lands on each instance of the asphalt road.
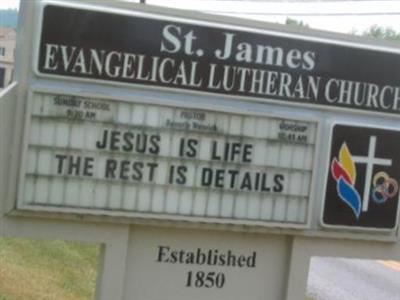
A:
(353, 279)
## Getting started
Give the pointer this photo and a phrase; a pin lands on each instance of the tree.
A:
(294, 22)
(380, 32)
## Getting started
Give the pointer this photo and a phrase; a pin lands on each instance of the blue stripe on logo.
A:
(349, 195)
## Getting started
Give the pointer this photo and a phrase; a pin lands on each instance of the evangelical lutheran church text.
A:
(236, 63)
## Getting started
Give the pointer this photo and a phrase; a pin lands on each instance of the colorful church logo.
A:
(344, 172)
(362, 185)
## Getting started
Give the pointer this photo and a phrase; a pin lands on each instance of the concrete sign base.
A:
(139, 262)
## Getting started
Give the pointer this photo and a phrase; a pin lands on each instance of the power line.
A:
(304, 14)
(300, 1)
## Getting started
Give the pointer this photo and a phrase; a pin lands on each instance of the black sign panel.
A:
(363, 178)
(106, 46)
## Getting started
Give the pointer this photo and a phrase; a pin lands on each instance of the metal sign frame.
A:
(31, 81)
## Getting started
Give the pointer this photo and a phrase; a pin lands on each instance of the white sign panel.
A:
(128, 158)
(205, 265)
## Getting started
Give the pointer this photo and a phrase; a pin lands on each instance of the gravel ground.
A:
(352, 279)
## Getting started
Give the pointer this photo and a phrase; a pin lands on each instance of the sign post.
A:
(209, 156)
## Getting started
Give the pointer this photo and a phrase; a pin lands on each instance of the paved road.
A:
(353, 279)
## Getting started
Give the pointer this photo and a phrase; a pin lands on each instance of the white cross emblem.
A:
(370, 161)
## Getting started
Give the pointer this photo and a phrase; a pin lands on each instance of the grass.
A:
(47, 270)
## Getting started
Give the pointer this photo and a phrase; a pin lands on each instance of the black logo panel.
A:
(363, 178)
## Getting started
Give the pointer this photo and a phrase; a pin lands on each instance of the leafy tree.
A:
(380, 32)
(294, 22)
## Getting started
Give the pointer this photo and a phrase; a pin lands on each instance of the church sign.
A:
(210, 155)
(157, 51)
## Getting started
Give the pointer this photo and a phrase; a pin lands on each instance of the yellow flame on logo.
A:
(347, 162)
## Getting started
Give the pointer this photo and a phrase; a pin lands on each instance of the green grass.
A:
(47, 270)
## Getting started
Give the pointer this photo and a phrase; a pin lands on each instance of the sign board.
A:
(149, 50)
(363, 178)
(117, 157)
(157, 149)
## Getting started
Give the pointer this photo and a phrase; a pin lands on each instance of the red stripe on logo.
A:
(338, 171)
